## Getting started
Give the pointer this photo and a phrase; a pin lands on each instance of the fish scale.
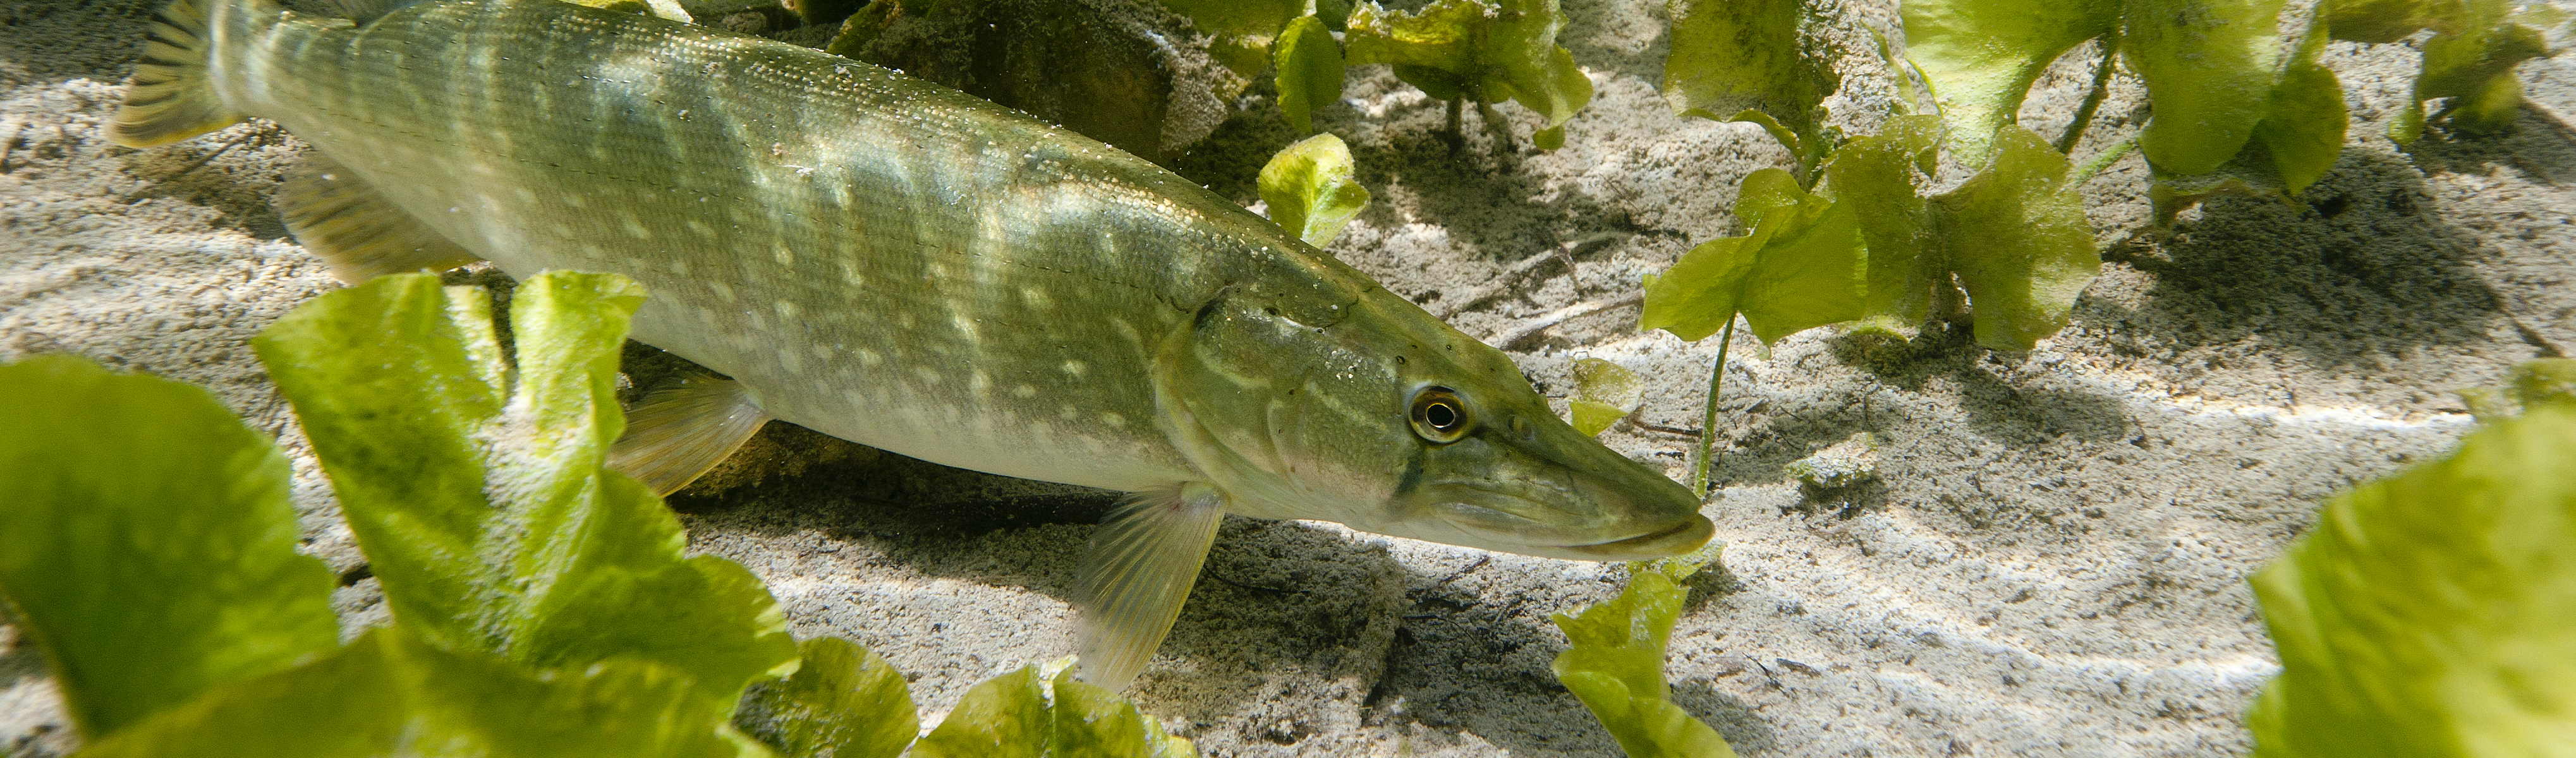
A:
(902, 265)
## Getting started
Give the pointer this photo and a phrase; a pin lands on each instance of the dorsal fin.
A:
(341, 218)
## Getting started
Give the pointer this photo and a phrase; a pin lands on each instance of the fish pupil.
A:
(1441, 416)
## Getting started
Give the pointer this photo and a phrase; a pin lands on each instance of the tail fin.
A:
(169, 98)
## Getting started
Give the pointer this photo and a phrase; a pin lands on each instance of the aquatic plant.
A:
(541, 602)
(1485, 52)
(1614, 662)
(1846, 235)
(2428, 613)
(1308, 189)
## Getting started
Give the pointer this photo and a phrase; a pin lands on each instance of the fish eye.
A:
(1438, 415)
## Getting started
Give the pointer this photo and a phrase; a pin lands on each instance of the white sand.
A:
(2051, 562)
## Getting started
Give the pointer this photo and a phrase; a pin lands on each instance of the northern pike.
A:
(908, 267)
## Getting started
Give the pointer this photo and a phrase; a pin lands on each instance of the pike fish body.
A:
(905, 266)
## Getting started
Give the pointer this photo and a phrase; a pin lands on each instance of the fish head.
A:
(1376, 415)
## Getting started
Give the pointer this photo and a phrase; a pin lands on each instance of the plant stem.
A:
(2086, 172)
(2092, 99)
(1699, 483)
(1457, 124)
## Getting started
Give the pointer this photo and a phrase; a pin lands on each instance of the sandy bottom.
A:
(2050, 562)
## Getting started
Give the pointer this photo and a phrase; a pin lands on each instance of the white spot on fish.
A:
(785, 256)
(723, 291)
(786, 311)
(928, 376)
(870, 358)
(1076, 368)
(979, 383)
(1024, 391)
(1114, 420)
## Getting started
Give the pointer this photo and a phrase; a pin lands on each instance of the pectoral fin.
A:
(1143, 559)
(677, 433)
(341, 218)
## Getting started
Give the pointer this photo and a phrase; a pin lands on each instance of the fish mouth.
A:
(1679, 538)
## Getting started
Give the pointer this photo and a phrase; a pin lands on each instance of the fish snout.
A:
(1660, 520)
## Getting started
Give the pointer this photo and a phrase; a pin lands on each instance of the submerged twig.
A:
(192, 168)
(2092, 99)
(1530, 328)
(2086, 172)
(1511, 276)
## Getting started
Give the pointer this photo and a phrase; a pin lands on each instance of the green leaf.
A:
(844, 702)
(2472, 62)
(2471, 57)
(1614, 663)
(1245, 30)
(2433, 613)
(2381, 21)
(1043, 711)
(1002, 717)
(1981, 56)
(1875, 175)
(1800, 268)
(1467, 48)
(477, 490)
(2017, 237)
(1309, 190)
(2014, 234)
(390, 693)
(1256, 18)
(1604, 392)
(2549, 380)
(147, 541)
(1310, 70)
(2209, 67)
(1092, 721)
(1736, 59)
(2303, 128)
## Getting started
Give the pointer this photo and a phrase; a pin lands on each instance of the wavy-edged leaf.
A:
(478, 491)
(148, 541)
(1614, 662)
(2471, 61)
(1309, 190)
(2303, 128)
(2017, 236)
(1733, 60)
(2209, 67)
(2548, 380)
(1002, 717)
(1505, 50)
(1091, 721)
(1604, 392)
(2433, 613)
(1981, 56)
(1875, 174)
(1801, 268)
(1310, 70)
(843, 702)
(390, 693)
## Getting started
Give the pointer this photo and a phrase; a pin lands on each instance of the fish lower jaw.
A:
(1674, 540)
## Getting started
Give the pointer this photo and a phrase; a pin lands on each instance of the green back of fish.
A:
(875, 257)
